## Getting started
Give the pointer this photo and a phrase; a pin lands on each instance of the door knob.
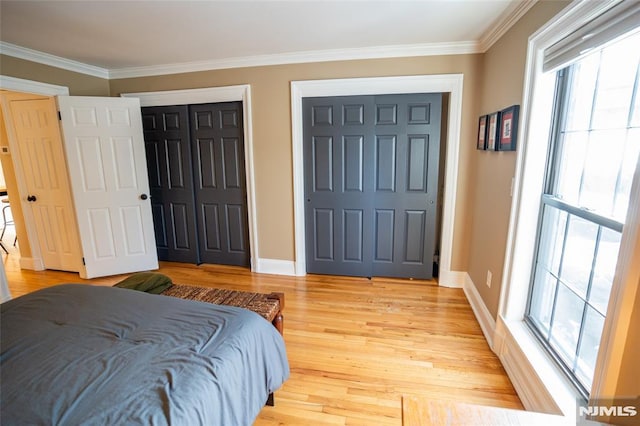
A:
(144, 196)
(31, 198)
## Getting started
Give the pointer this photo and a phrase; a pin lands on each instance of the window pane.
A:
(589, 346)
(552, 238)
(544, 290)
(604, 269)
(615, 84)
(635, 116)
(629, 162)
(585, 74)
(571, 166)
(604, 157)
(578, 254)
(566, 324)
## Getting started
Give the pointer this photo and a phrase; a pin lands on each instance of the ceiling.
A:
(139, 37)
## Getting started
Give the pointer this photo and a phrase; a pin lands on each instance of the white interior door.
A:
(42, 159)
(104, 144)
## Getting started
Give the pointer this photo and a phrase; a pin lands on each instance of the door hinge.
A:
(83, 261)
(59, 116)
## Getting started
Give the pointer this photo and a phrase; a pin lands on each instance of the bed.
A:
(78, 354)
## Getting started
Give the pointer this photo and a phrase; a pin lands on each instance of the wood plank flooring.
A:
(355, 346)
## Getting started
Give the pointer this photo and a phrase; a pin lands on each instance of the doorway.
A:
(451, 84)
(195, 158)
(241, 93)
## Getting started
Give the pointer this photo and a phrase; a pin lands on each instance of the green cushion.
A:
(149, 282)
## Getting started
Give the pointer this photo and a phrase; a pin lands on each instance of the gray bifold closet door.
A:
(195, 157)
(168, 148)
(371, 183)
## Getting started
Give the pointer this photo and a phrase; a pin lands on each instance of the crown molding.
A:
(378, 52)
(504, 23)
(51, 60)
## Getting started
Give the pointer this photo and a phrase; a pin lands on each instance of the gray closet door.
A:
(220, 190)
(371, 172)
(338, 169)
(168, 148)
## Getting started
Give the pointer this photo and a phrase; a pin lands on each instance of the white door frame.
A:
(34, 262)
(446, 83)
(216, 95)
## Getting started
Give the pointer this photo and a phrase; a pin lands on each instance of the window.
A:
(593, 156)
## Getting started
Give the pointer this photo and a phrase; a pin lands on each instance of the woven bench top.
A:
(266, 305)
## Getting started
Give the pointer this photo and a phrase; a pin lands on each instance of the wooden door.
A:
(43, 162)
(371, 173)
(406, 151)
(104, 147)
(338, 135)
(168, 147)
(220, 186)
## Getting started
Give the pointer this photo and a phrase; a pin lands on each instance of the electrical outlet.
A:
(489, 275)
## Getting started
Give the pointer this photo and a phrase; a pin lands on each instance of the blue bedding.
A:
(77, 354)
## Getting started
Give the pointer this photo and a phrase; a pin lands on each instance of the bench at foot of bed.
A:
(269, 306)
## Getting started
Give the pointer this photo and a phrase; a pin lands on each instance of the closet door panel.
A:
(169, 164)
(220, 192)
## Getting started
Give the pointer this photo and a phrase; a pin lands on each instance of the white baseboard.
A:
(452, 279)
(32, 263)
(484, 317)
(275, 267)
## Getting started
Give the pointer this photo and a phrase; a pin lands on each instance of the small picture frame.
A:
(508, 135)
(492, 131)
(481, 143)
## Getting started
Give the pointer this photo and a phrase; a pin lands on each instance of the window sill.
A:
(540, 384)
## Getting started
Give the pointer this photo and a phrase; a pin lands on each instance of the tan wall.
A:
(78, 84)
(502, 86)
(271, 107)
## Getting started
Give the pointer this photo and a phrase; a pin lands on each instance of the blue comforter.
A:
(83, 355)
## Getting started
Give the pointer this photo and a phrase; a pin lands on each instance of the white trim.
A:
(538, 380)
(276, 267)
(621, 302)
(484, 317)
(426, 49)
(52, 60)
(504, 24)
(213, 95)
(31, 263)
(30, 86)
(452, 279)
(446, 83)
(533, 374)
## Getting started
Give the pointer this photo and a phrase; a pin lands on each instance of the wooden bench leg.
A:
(278, 323)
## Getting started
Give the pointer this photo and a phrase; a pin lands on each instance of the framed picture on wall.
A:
(508, 128)
(481, 143)
(492, 131)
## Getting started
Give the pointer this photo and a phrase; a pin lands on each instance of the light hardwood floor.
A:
(355, 346)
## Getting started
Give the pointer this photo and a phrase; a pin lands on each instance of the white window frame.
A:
(537, 379)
